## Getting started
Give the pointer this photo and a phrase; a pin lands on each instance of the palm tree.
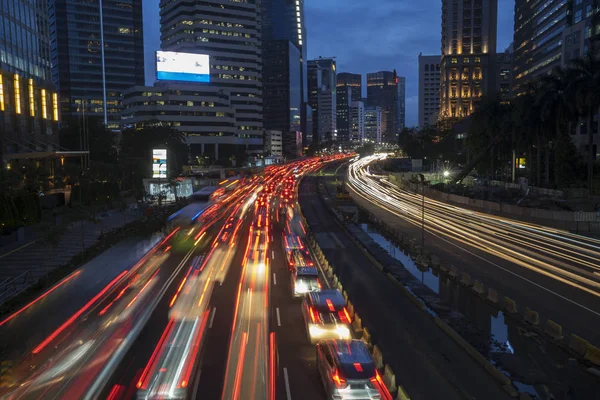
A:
(586, 86)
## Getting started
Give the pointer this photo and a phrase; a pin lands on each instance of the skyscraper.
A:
(468, 40)
(348, 90)
(382, 91)
(353, 81)
(97, 53)
(357, 121)
(283, 30)
(429, 89)
(229, 33)
(401, 105)
(373, 124)
(322, 98)
(539, 43)
(28, 99)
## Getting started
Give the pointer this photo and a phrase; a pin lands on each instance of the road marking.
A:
(196, 385)
(212, 317)
(17, 249)
(274, 279)
(272, 254)
(288, 392)
(278, 318)
(337, 240)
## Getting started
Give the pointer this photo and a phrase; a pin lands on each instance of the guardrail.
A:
(12, 287)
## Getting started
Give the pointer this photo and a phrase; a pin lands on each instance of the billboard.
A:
(188, 67)
(159, 163)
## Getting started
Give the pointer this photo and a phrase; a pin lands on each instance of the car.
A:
(305, 280)
(326, 315)
(298, 258)
(348, 371)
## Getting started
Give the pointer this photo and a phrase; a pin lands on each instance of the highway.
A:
(554, 272)
(207, 313)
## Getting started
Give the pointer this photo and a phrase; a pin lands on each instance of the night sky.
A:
(365, 36)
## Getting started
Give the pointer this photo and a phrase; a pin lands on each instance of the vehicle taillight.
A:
(339, 381)
(319, 284)
(313, 315)
(344, 316)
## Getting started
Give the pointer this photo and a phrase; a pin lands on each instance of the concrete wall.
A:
(583, 222)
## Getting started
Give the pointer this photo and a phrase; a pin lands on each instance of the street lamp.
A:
(422, 179)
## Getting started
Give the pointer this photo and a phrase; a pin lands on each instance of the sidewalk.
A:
(23, 265)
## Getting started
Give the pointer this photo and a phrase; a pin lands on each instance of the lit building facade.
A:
(373, 124)
(357, 121)
(282, 97)
(322, 98)
(348, 90)
(401, 105)
(229, 33)
(29, 111)
(468, 46)
(94, 63)
(429, 90)
(540, 41)
(273, 143)
(382, 91)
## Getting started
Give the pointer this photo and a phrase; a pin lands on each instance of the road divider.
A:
(553, 330)
(510, 306)
(530, 316)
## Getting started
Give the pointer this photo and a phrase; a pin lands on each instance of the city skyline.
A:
(334, 22)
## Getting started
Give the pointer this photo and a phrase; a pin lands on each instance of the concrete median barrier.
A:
(578, 345)
(453, 272)
(465, 279)
(366, 337)
(339, 287)
(345, 294)
(335, 281)
(510, 306)
(444, 268)
(492, 295)
(478, 288)
(357, 324)
(402, 395)
(329, 273)
(435, 261)
(592, 354)
(377, 357)
(532, 317)
(389, 379)
(553, 330)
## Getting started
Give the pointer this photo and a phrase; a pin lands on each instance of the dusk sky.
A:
(365, 36)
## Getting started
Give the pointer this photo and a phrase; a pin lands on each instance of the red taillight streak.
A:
(347, 315)
(180, 287)
(68, 322)
(141, 290)
(196, 348)
(240, 367)
(330, 305)
(52, 289)
(272, 366)
(169, 235)
(358, 367)
(116, 298)
(114, 392)
(157, 350)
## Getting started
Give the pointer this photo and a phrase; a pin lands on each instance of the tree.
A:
(586, 86)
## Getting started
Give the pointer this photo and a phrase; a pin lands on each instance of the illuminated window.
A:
(44, 105)
(31, 99)
(1, 94)
(477, 59)
(454, 61)
(55, 106)
(125, 31)
(17, 94)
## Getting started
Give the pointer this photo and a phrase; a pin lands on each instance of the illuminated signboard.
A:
(159, 163)
(188, 67)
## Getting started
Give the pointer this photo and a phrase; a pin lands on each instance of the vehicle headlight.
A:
(301, 287)
(343, 332)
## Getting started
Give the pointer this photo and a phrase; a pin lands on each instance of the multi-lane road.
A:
(207, 313)
(554, 272)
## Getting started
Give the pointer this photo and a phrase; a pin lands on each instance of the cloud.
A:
(383, 35)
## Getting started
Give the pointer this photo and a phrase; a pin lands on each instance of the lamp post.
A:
(422, 178)
(160, 164)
